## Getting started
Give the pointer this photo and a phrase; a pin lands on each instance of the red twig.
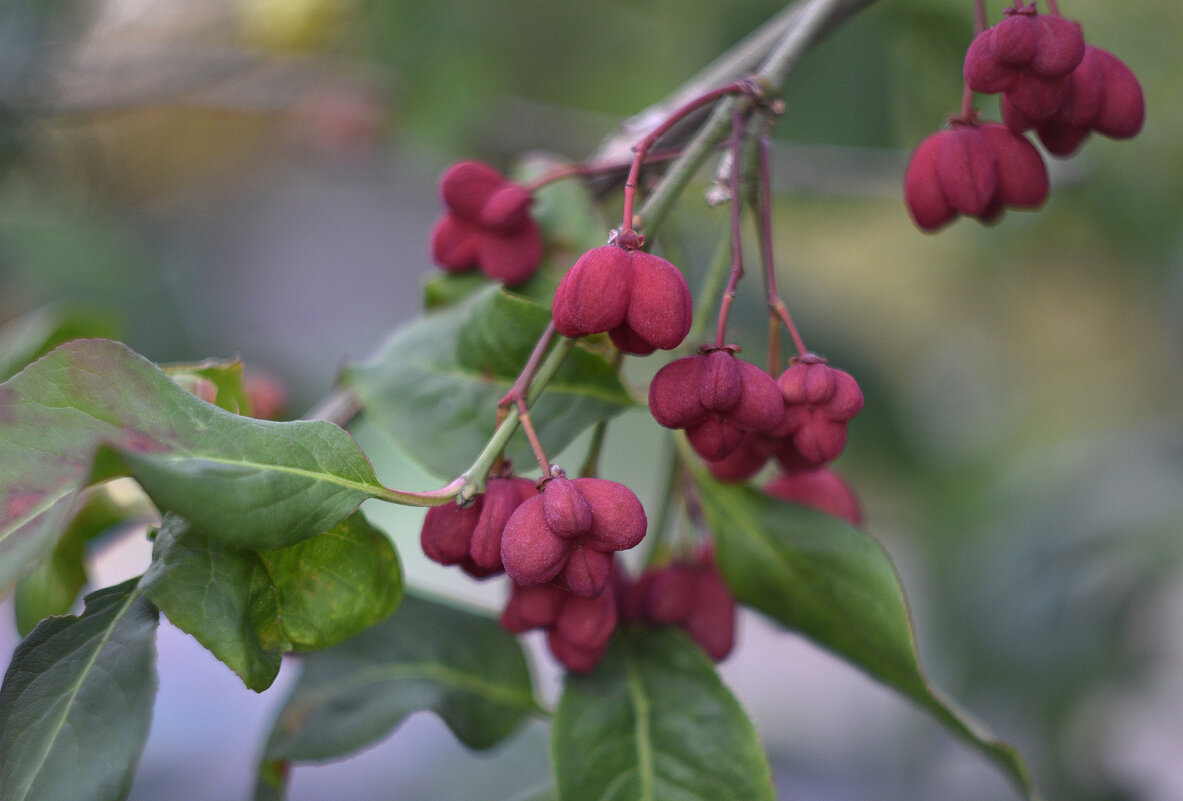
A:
(775, 304)
(737, 121)
(641, 149)
(591, 170)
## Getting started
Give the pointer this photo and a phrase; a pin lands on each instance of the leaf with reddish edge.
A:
(834, 584)
(93, 409)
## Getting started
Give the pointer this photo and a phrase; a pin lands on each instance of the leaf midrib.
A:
(373, 490)
(77, 688)
(640, 703)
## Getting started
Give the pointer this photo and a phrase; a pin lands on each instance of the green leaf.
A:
(449, 289)
(225, 376)
(271, 782)
(249, 607)
(214, 593)
(427, 656)
(836, 585)
(435, 385)
(655, 723)
(55, 583)
(332, 586)
(77, 701)
(93, 409)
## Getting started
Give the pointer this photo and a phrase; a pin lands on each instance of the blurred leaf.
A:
(31, 336)
(225, 376)
(77, 701)
(271, 781)
(54, 584)
(449, 289)
(435, 385)
(564, 210)
(460, 665)
(249, 607)
(836, 585)
(94, 409)
(655, 722)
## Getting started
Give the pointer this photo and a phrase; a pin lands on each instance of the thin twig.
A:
(736, 235)
(775, 304)
(803, 28)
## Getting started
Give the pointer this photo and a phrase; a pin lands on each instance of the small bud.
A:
(532, 607)
(447, 531)
(1060, 48)
(466, 187)
(502, 496)
(670, 595)
(922, 188)
(719, 384)
(820, 488)
(531, 553)
(966, 170)
(507, 208)
(714, 438)
(1014, 41)
(593, 296)
(1022, 176)
(1122, 110)
(711, 621)
(587, 572)
(567, 512)
(660, 306)
(511, 258)
(618, 518)
(587, 622)
(454, 244)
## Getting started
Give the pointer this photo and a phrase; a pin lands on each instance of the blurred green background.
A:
(256, 177)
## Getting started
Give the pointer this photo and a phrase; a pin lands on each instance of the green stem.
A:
(474, 477)
(659, 530)
(712, 285)
(432, 498)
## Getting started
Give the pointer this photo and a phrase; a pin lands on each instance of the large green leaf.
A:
(836, 585)
(250, 607)
(77, 701)
(92, 409)
(435, 384)
(426, 656)
(654, 722)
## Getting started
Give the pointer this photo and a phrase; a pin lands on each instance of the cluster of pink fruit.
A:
(737, 418)
(1050, 81)
(557, 540)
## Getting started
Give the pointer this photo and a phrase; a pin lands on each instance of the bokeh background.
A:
(256, 177)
